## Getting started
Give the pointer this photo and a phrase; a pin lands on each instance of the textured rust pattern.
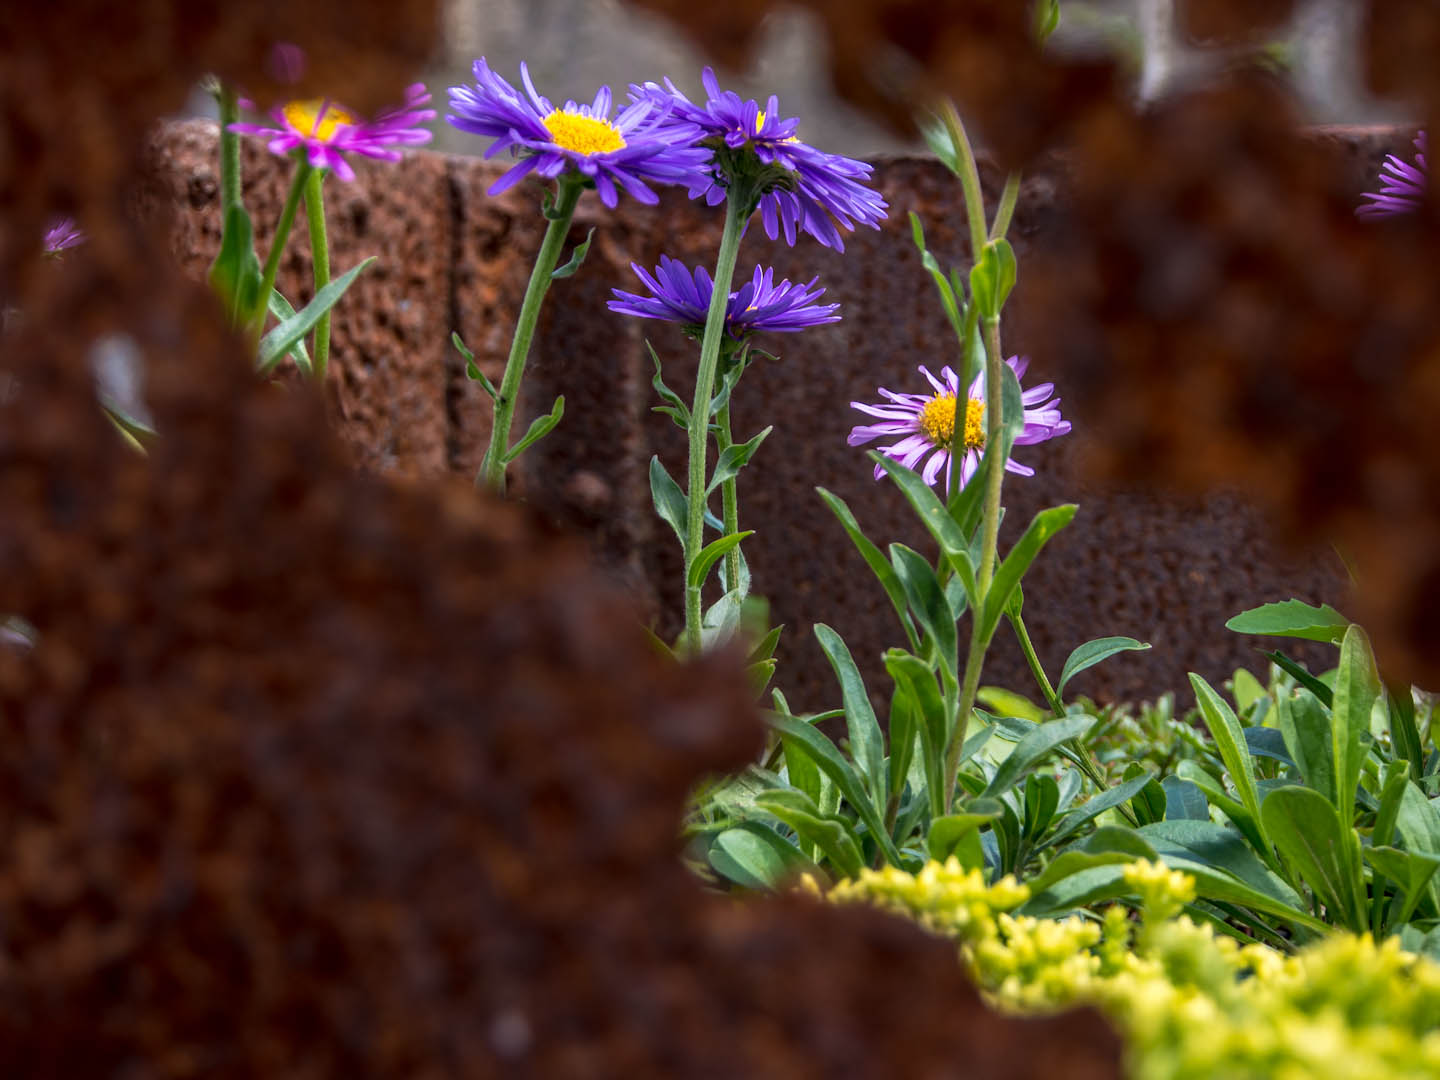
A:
(312, 774)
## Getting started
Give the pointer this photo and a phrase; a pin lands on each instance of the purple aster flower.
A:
(329, 131)
(926, 424)
(644, 143)
(1402, 187)
(680, 296)
(62, 235)
(812, 190)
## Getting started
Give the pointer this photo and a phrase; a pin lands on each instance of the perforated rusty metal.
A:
(310, 774)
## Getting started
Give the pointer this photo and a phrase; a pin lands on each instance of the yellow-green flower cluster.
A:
(1193, 1004)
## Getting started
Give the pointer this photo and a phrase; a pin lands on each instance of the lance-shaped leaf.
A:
(928, 602)
(538, 429)
(832, 835)
(879, 565)
(282, 338)
(1357, 686)
(866, 741)
(1324, 851)
(577, 258)
(734, 458)
(711, 553)
(669, 500)
(472, 369)
(992, 277)
(235, 274)
(1044, 526)
(1093, 652)
(1035, 747)
(1292, 618)
(281, 309)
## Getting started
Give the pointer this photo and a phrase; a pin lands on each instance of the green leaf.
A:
(866, 741)
(935, 518)
(1220, 848)
(756, 857)
(801, 770)
(1097, 805)
(927, 602)
(1042, 798)
(1264, 742)
(1357, 686)
(766, 646)
(1184, 801)
(1392, 791)
(1045, 525)
(1047, 18)
(1092, 653)
(1067, 865)
(235, 274)
(1305, 679)
(1292, 618)
(1243, 820)
(947, 293)
(721, 620)
(576, 259)
(734, 458)
(1305, 727)
(669, 500)
(902, 732)
(1403, 730)
(831, 835)
(1149, 802)
(538, 429)
(1324, 851)
(833, 764)
(1035, 747)
(283, 337)
(1411, 871)
(879, 565)
(281, 309)
(675, 406)
(992, 277)
(947, 832)
(712, 553)
(1230, 741)
(1418, 826)
(472, 369)
(917, 680)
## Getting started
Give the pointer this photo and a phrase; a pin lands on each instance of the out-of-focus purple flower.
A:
(812, 191)
(62, 235)
(329, 131)
(681, 296)
(286, 63)
(925, 424)
(644, 144)
(1403, 187)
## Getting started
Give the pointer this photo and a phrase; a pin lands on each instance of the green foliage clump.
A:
(1191, 1004)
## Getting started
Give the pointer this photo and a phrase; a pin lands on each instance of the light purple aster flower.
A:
(329, 131)
(680, 296)
(926, 424)
(62, 235)
(820, 191)
(1402, 187)
(645, 143)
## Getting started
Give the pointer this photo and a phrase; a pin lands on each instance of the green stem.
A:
(962, 396)
(492, 469)
(230, 196)
(320, 253)
(969, 178)
(1083, 757)
(1006, 210)
(730, 500)
(277, 247)
(1023, 636)
(737, 209)
(974, 660)
(994, 437)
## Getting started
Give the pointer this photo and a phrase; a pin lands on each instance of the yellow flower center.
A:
(937, 421)
(583, 134)
(318, 119)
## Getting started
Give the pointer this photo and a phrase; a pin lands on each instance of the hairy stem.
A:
(729, 498)
(737, 209)
(492, 468)
(320, 253)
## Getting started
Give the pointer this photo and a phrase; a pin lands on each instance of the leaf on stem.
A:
(281, 309)
(282, 338)
(472, 369)
(734, 458)
(577, 258)
(1093, 652)
(1292, 618)
(669, 500)
(538, 429)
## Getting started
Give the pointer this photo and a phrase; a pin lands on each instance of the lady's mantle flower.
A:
(810, 189)
(679, 296)
(1402, 187)
(926, 423)
(62, 235)
(645, 141)
(329, 131)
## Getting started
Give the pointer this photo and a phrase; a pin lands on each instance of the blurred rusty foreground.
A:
(1168, 570)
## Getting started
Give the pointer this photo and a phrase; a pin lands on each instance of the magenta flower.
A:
(644, 144)
(677, 295)
(62, 235)
(926, 424)
(812, 190)
(329, 131)
(1402, 187)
